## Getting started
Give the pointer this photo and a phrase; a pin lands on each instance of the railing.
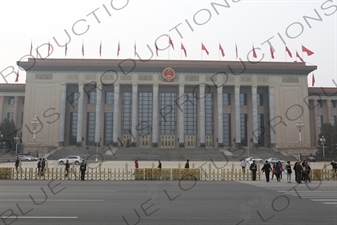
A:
(207, 173)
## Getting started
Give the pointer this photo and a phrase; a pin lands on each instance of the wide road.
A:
(167, 202)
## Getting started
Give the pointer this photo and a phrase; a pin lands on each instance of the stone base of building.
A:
(298, 150)
(238, 145)
(61, 144)
(155, 145)
(38, 150)
(79, 144)
(220, 145)
(181, 145)
(202, 145)
(271, 145)
(256, 145)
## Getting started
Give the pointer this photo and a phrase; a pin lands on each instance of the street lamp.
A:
(299, 125)
(17, 140)
(323, 142)
(35, 122)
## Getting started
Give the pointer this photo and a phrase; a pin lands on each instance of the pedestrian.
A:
(43, 166)
(307, 170)
(253, 168)
(39, 166)
(159, 164)
(298, 171)
(136, 164)
(334, 167)
(17, 163)
(266, 169)
(294, 168)
(243, 165)
(304, 171)
(273, 170)
(288, 171)
(278, 171)
(281, 166)
(187, 164)
(83, 168)
(67, 167)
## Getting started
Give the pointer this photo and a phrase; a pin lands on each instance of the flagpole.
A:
(285, 54)
(168, 56)
(181, 51)
(201, 51)
(219, 51)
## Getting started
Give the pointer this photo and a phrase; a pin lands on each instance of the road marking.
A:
(330, 203)
(47, 217)
(53, 200)
(324, 199)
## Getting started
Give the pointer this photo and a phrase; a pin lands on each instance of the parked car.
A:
(275, 160)
(253, 158)
(310, 159)
(71, 159)
(27, 158)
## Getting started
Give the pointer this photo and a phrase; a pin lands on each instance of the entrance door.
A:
(144, 141)
(190, 141)
(126, 140)
(167, 141)
(209, 141)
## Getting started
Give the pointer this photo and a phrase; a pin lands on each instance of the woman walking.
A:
(289, 171)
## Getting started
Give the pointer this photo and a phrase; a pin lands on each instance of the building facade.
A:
(168, 103)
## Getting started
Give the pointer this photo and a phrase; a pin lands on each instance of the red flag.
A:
(221, 50)
(100, 49)
(254, 52)
(135, 49)
(289, 52)
(170, 42)
(309, 53)
(82, 49)
(236, 51)
(31, 47)
(48, 48)
(298, 56)
(204, 48)
(313, 80)
(156, 49)
(66, 49)
(17, 76)
(118, 48)
(272, 52)
(184, 49)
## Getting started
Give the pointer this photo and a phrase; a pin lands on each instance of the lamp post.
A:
(35, 122)
(299, 125)
(323, 142)
(17, 140)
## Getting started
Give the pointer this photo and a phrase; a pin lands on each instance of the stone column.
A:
(116, 116)
(98, 113)
(237, 115)
(80, 114)
(271, 117)
(181, 131)
(62, 114)
(2, 100)
(220, 118)
(202, 115)
(255, 133)
(134, 124)
(328, 107)
(155, 116)
(16, 104)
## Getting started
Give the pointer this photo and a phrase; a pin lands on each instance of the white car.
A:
(71, 159)
(275, 160)
(251, 159)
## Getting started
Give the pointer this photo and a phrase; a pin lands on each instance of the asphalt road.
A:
(167, 202)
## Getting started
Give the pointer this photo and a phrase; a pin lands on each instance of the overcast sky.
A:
(244, 23)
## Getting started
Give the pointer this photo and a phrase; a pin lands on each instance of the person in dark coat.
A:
(83, 168)
(17, 163)
(187, 164)
(278, 171)
(253, 168)
(67, 168)
(159, 164)
(39, 166)
(298, 171)
(43, 166)
(273, 170)
(266, 169)
(294, 168)
(136, 164)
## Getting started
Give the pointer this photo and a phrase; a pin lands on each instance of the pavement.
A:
(25, 202)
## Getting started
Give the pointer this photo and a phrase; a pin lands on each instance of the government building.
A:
(167, 103)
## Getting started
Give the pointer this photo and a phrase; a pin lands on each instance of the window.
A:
(333, 120)
(23, 100)
(333, 103)
(259, 99)
(108, 127)
(243, 129)
(319, 104)
(226, 129)
(209, 126)
(167, 111)
(73, 128)
(126, 112)
(190, 114)
(319, 121)
(109, 98)
(243, 99)
(226, 99)
(21, 118)
(91, 128)
(92, 97)
(10, 116)
(73, 98)
(10, 100)
(145, 113)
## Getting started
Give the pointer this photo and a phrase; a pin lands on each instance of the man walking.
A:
(243, 165)
(187, 164)
(159, 164)
(298, 171)
(266, 169)
(43, 165)
(253, 168)
(39, 166)
(83, 168)
(17, 163)
(67, 167)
